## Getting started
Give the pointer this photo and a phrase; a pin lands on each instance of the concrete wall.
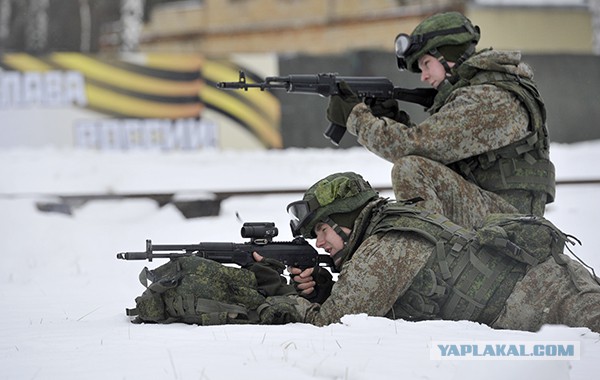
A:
(569, 85)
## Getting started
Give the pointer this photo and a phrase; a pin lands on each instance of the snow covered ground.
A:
(63, 292)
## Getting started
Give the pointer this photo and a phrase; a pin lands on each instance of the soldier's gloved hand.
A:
(314, 284)
(389, 108)
(278, 311)
(404, 118)
(268, 273)
(341, 105)
(386, 107)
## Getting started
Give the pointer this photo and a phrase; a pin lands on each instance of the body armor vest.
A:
(470, 274)
(522, 165)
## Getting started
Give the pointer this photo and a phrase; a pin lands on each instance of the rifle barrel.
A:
(246, 86)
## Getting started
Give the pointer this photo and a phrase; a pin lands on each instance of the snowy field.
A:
(63, 292)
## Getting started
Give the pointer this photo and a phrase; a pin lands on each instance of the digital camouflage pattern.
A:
(553, 294)
(446, 192)
(364, 284)
(394, 271)
(438, 23)
(197, 291)
(371, 281)
(387, 275)
(466, 278)
(524, 166)
(338, 193)
(473, 120)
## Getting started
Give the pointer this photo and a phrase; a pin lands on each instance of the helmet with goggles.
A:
(443, 29)
(336, 194)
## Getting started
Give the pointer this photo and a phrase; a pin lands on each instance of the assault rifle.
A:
(296, 253)
(370, 89)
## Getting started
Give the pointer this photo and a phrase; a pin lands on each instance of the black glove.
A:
(268, 273)
(388, 108)
(341, 105)
(404, 118)
(323, 284)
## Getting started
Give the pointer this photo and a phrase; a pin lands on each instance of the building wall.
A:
(216, 27)
(535, 30)
(285, 26)
(354, 37)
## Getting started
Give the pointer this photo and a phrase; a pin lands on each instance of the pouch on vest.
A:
(527, 238)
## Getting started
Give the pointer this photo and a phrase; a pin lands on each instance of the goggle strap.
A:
(419, 39)
(338, 230)
(435, 33)
(469, 52)
(436, 53)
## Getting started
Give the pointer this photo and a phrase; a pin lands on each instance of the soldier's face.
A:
(328, 239)
(432, 71)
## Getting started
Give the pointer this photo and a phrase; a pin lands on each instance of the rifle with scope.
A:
(370, 89)
(297, 253)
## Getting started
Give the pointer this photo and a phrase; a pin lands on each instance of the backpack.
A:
(195, 290)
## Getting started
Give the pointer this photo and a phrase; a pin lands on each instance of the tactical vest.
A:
(470, 274)
(522, 165)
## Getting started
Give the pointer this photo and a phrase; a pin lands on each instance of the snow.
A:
(63, 292)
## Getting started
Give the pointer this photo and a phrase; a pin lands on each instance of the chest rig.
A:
(521, 165)
(470, 273)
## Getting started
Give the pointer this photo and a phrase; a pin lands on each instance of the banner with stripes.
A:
(164, 101)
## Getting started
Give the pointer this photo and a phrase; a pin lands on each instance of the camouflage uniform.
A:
(553, 294)
(384, 266)
(371, 281)
(470, 121)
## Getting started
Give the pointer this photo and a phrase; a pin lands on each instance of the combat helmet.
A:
(443, 30)
(336, 200)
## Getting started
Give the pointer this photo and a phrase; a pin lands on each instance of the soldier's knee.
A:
(408, 166)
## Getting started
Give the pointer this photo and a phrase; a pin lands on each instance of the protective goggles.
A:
(300, 213)
(404, 46)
